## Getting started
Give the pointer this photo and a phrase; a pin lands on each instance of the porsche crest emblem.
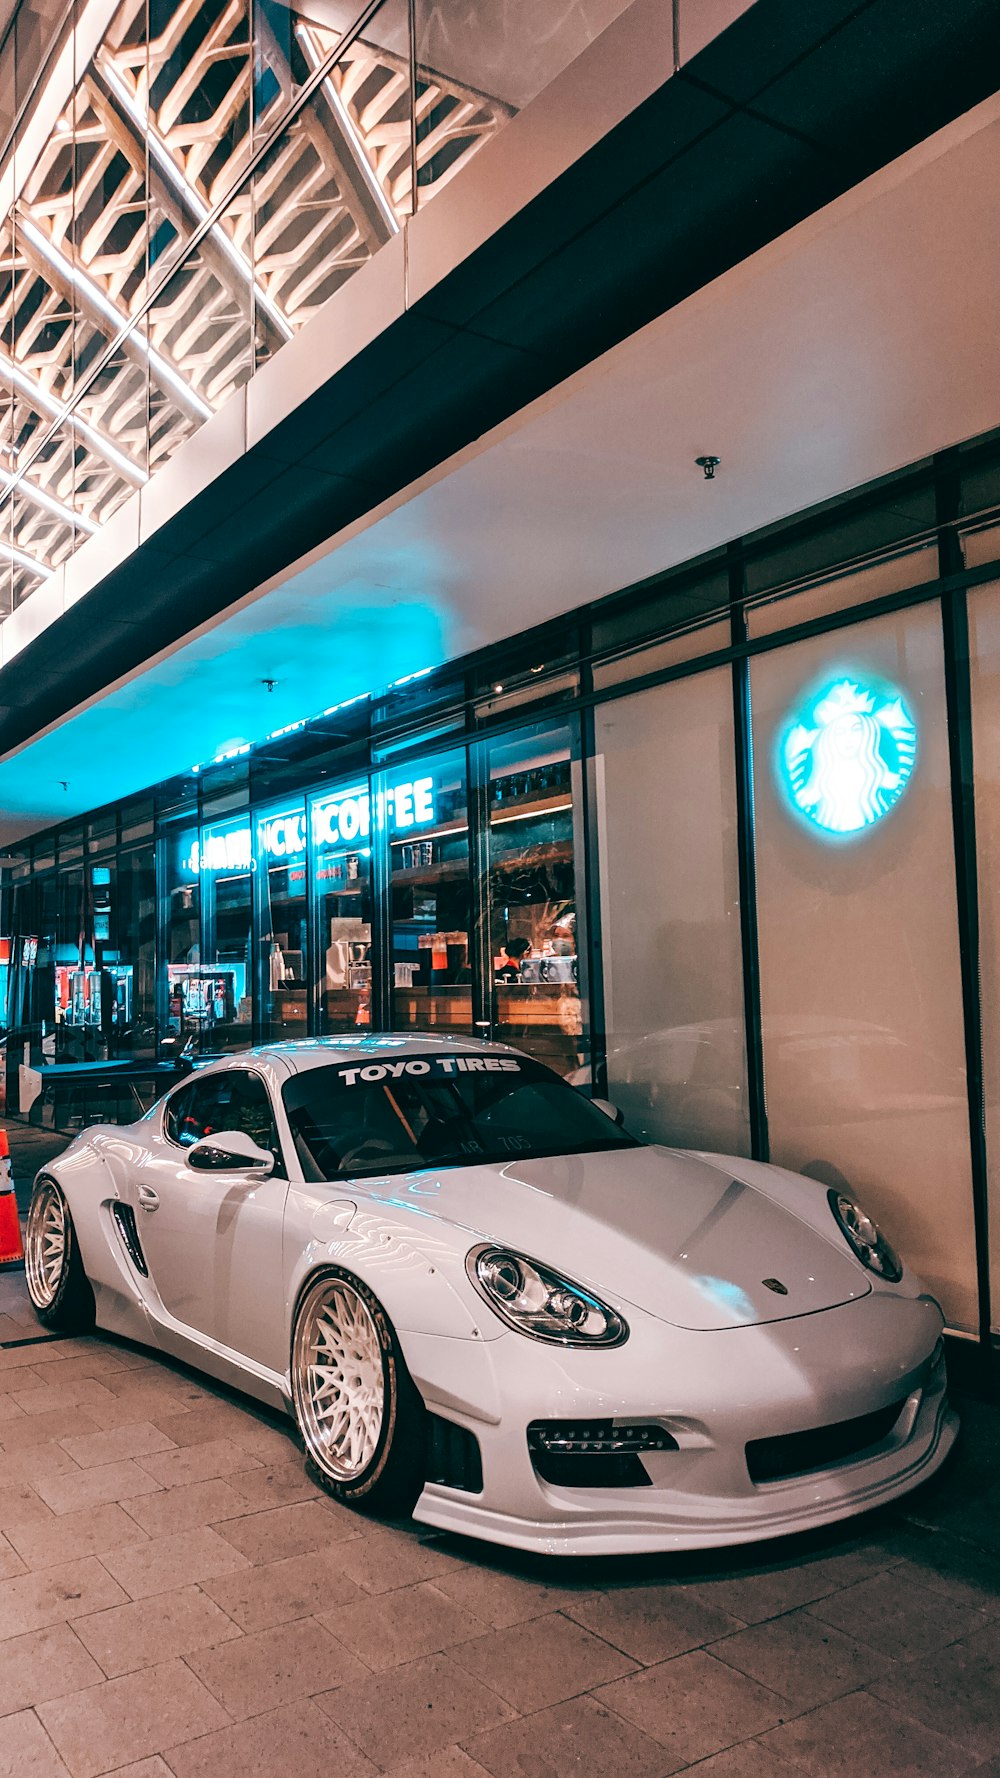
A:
(776, 1285)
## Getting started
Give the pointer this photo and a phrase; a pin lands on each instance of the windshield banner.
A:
(433, 1067)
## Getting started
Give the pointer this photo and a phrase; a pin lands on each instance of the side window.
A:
(232, 1100)
(180, 1120)
(238, 1100)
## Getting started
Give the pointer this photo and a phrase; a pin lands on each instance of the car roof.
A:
(298, 1053)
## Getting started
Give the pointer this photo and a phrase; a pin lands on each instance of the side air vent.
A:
(124, 1217)
(453, 1456)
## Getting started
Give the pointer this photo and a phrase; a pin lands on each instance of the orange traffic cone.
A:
(11, 1246)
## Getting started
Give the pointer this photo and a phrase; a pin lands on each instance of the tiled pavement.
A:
(176, 1598)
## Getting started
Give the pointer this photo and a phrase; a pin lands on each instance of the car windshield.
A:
(398, 1116)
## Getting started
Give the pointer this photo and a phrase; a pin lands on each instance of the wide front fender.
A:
(87, 1183)
(414, 1266)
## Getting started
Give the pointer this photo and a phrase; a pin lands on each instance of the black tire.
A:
(393, 1474)
(68, 1305)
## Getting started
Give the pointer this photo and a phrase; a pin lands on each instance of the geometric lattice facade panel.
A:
(185, 184)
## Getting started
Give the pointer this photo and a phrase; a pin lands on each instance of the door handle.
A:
(148, 1198)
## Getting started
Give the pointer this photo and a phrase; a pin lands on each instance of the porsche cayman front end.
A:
(687, 1398)
(693, 1439)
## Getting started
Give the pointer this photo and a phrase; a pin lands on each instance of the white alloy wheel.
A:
(338, 1379)
(45, 1244)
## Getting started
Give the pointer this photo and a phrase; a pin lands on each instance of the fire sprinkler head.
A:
(709, 465)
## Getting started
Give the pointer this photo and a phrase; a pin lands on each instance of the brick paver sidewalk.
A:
(177, 1598)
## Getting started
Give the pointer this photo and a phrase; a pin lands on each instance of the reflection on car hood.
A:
(649, 1226)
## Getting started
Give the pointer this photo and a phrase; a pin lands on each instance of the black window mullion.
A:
(590, 948)
(760, 1147)
(380, 949)
(478, 804)
(958, 694)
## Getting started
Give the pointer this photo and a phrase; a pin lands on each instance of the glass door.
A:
(283, 952)
(131, 972)
(532, 802)
(219, 991)
(342, 896)
(76, 1009)
(178, 1016)
(423, 813)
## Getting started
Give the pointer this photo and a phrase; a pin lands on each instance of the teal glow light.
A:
(846, 756)
(722, 1293)
(235, 749)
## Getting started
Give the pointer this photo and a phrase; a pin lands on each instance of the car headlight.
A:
(866, 1238)
(541, 1303)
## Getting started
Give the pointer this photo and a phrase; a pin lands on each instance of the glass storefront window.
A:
(128, 969)
(220, 994)
(479, 64)
(823, 597)
(531, 897)
(283, 922)
(38, 959)
(76, 1003)
(180, 1017)
(102, 833)
(861, 999)
(94, 981)
(654, 657)
(423, 813)
(673, 972)
(342, 882)
(100, 997)
(24, 903)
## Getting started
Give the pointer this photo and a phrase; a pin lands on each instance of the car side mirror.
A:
(614, 1112)
(229, 1151)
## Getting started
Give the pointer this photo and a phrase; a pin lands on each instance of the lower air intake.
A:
(800, 1453)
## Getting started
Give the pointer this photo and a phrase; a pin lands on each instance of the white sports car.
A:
(481, 1299)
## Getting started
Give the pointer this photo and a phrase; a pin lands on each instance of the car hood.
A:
(666, 1231)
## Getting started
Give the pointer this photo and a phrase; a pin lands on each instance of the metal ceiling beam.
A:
(134, 129)
(85, 27)
(147, 351)
(20, 559)
(375, 203)
(77, 287)
(40, 497)
(58, 412)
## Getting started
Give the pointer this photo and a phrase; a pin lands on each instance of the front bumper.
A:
(714, 1393)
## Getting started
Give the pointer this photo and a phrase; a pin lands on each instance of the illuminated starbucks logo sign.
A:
(847, 755)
